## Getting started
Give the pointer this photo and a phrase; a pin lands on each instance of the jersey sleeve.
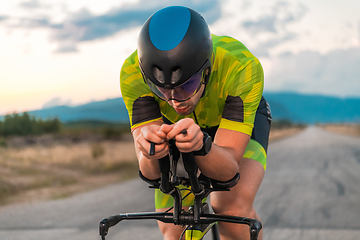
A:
(140, 102)
(244, 90)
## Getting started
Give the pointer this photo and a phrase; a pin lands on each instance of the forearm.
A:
(225, 156)
(220, 163)
(150, 169)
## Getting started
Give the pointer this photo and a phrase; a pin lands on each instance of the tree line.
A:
(23, 125)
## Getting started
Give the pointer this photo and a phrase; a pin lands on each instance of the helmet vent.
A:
(159, 74)
(176, 73)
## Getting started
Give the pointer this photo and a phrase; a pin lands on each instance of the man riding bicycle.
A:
(182, 77)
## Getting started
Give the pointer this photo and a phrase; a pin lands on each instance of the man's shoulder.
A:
(130, 75)
(132, 59)
(130, 66)
(231, 46)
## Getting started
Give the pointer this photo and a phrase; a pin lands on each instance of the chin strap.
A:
(195, 118)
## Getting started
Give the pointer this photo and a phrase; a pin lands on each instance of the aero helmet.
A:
(174, 49)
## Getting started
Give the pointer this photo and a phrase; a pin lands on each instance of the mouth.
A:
(182, 110)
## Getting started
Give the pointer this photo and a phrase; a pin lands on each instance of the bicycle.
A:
(197, 219)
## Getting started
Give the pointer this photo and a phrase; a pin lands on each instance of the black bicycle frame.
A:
(200, 186)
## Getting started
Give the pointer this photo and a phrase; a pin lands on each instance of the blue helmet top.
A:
(168, 27)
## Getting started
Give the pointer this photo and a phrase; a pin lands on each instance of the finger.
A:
(160, 150)
(161, 134)
(188, 146)
(166, 128)
(151, 135)
(192, 141)
(142, 144)
(178, 129)
(193, 133)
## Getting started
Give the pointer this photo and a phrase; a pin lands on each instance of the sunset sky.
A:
(66, 52)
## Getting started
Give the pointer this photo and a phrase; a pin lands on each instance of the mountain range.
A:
(294, 107)
(312, 109)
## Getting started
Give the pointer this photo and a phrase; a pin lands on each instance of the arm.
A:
(144, 115)
(143, 135)
(233, 134)
(222, 162)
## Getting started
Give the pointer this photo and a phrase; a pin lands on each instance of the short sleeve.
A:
(245, 87)
(140, 102)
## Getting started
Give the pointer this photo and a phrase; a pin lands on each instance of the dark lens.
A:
(180, 93)
(155, 89)
(192, 84)
(187, 89)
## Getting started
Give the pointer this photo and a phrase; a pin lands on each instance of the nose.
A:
(168, 93)
(174, 103)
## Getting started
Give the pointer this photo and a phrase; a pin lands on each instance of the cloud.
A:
(84, 26)
(34, 22)
(264, 24)
(281, 15)
(335, 73)
(275, 25)
(31, 4)
(2, 18)
(263, 48)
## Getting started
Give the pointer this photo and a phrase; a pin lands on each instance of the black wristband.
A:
(207, 143)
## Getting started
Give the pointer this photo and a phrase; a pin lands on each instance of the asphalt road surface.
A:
(311, 190)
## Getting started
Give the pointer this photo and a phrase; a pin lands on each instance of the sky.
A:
(65, 52)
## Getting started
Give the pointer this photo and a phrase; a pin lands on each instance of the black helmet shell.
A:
(174, 43)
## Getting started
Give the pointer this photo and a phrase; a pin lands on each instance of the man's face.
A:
(187, 107)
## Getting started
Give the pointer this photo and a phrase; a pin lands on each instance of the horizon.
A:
(120, 97)
(289, 106)
(70, 52)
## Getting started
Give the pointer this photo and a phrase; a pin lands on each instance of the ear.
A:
(207, 76)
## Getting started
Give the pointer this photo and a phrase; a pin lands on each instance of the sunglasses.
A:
(182, 92)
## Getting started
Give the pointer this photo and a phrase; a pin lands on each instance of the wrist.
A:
(207, 144)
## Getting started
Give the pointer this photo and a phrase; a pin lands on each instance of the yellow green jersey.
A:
(231, 96)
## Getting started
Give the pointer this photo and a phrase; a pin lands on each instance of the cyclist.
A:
(182, 77)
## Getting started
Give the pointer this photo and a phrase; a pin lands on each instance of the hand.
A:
(189, 142)
(152, 133)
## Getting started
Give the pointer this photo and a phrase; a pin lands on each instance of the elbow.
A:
(234, 170)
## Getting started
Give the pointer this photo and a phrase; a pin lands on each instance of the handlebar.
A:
(185, 219)
(201, 189)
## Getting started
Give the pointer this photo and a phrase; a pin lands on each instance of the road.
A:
(310, 191)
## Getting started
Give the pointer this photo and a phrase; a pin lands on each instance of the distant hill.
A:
(311, 109)
(112, 110)
(297, 108)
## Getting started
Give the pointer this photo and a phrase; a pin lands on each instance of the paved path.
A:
(311, 191)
